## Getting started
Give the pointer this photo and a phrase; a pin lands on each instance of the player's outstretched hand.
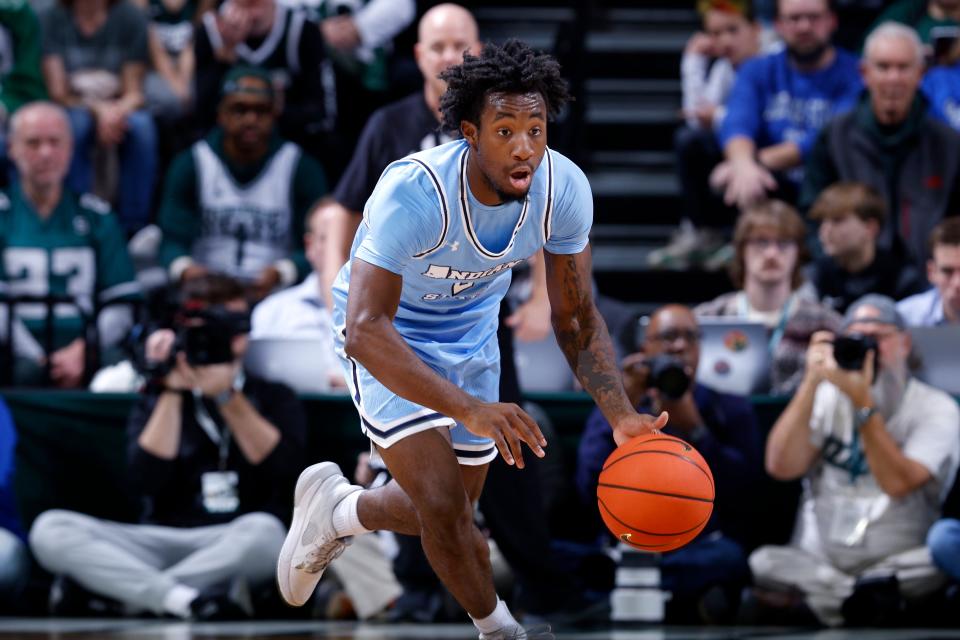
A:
(638, 424)
(508, 426)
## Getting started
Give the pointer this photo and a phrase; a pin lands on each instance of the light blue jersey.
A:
(455, 256)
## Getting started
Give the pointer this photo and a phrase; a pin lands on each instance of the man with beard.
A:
(877, 450)
(235, 202)
(780, 101)
(892, 143)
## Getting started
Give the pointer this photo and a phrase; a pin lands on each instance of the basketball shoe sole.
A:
(312, 542)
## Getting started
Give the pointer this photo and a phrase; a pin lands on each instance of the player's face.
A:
(41, 147)
(735, 37)
(806, 27)
(892, 72)
(247, 118)
(507, 147)
(769, 258)
(943, 271)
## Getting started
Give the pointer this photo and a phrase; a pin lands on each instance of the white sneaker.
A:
(312, 542)
(541, 632)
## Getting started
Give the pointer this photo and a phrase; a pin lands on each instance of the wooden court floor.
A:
(91, 629)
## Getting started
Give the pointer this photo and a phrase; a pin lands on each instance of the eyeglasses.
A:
(670, 336)
(765, 243)
(240, 109)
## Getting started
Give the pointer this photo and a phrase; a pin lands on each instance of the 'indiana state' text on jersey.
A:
(454, 253)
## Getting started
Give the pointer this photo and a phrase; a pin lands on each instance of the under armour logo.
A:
(454, 245)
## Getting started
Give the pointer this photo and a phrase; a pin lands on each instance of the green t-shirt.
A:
(20, 80)
(78, 251)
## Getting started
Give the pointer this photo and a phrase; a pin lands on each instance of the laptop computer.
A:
(300, 363)
(734, 355)
(938, 349)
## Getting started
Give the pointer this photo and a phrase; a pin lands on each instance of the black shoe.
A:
(577, 611)
(416, 606)
(875, 602)
(764, 607)
(70, 600)
(211, 607)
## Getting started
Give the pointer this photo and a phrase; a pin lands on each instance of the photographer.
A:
(215, 454)
(722, 427)
(877, 449)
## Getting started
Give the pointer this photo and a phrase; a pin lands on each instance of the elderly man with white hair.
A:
(892, 143)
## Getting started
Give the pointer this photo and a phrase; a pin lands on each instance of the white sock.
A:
(346, 520)
(178, 599)
(500, 618)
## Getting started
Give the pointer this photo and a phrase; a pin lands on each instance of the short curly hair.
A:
(512, 68)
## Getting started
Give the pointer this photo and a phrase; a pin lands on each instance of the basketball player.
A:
(417, 332)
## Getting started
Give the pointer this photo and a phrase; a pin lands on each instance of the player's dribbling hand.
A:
(508, 426)
(637, 425)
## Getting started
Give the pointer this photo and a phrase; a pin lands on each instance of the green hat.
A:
(231, 81)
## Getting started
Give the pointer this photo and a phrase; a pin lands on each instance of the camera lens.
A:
(669, 376)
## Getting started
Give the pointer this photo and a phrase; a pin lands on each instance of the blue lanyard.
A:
(777, 335)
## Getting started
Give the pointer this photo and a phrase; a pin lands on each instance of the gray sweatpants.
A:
(826, 587)
(139, 564)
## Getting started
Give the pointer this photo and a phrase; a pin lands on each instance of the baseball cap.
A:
(231, 81)
(885, 307)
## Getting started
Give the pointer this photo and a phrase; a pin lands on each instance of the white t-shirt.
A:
(840, 486)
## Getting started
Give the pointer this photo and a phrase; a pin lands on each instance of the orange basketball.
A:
(655, 492)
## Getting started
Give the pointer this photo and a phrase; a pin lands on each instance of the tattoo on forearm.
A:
(586, 344)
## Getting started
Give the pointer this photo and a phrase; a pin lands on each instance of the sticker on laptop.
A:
(736, 340)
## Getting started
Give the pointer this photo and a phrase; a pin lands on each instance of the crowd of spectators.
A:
(219, 157)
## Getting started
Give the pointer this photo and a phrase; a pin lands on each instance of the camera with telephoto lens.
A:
(668, 375)
(204, 335)
(851, 351)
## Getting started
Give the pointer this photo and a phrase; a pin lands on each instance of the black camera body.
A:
(668, 375)
(204, 335)
(851, 351)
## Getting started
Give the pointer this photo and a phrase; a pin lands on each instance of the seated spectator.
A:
(214, 453)
(235, 202)
(94, 59)
(20, 79)
(168, 86)
(358, 35)
(58, 243)
(14, 557)
(878, 450)
(299, 312)
(282, 41)
(851, 216)
(891, 143)
(941, 86)
(724, 430)
(928, 18)
(730, 36)
(780, 101)
(769, 252)
(940, 304)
